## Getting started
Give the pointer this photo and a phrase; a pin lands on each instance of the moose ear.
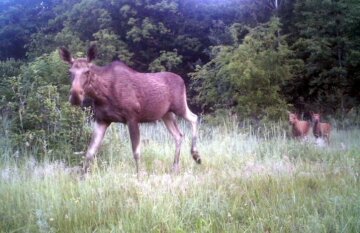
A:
(91, 54)
(65, 55)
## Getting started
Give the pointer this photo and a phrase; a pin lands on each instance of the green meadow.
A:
(249, 181)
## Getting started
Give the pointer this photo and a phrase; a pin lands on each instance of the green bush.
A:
(42, 120)
(247, 78)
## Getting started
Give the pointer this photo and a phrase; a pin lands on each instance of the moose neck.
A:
(295, 122)
(97, 88)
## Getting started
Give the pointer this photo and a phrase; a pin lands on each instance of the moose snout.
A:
(76, 97)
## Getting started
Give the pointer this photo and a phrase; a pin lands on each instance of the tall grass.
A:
(250, 181)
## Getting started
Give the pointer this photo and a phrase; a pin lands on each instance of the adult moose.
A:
(121, 94)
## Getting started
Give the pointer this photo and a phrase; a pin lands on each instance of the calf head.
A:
(293, 118)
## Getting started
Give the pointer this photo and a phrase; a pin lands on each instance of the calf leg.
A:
(134, 132)
(170, 123)
(97, 137)
(327, 137)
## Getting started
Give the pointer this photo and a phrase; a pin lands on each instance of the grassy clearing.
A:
(247, 183)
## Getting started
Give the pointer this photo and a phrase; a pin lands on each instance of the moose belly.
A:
(153, 112)
(108, 114)
(147, 113)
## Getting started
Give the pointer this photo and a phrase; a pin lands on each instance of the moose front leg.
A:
(97, 137)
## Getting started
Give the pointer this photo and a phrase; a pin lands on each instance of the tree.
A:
(324, 45)
(167, 61)
(247, 78)
(20, 19)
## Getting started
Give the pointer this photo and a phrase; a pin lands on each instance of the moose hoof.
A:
(196, 157)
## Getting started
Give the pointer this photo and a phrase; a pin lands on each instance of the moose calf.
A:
(321, 130)
(300, 129)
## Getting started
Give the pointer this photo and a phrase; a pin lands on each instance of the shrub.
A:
(42, 118)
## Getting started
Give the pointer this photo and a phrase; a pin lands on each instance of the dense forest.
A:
(250, 58)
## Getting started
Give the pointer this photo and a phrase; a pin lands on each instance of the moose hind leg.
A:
(193, 120)
(170, 123)
(97, 137)
(134, 132)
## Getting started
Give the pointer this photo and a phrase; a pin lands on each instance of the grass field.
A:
(250, 181)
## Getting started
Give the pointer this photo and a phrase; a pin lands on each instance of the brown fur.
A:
(121, 94)
(300, 129)
(320, 129)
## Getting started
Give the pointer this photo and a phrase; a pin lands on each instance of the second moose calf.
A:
(321, 130)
